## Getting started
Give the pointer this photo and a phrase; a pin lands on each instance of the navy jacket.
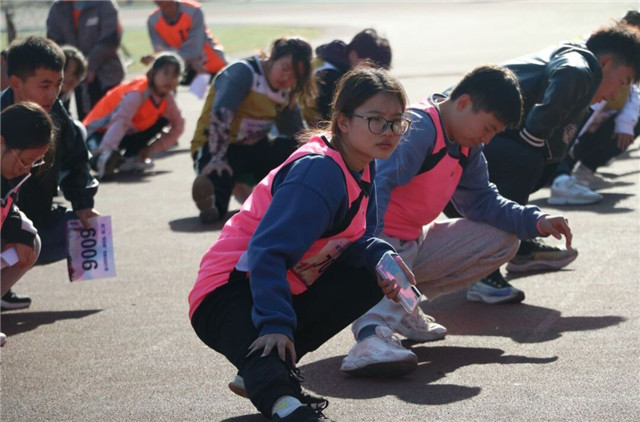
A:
(558, 85)
(69, 169)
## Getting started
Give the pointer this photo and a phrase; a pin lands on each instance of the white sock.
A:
(285, 406)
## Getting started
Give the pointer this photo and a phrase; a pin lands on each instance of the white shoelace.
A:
(418, 319)
(388, 336)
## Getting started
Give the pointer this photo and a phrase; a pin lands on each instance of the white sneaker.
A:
(381, 355)
(566, 191)
(418, 326)
(130, 164)
(590, 179)
(3, 339)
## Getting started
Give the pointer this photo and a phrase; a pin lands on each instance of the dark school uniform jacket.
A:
(69, 169)
(557, 85)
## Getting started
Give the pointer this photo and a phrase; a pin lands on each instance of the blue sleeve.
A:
(477, 199)
(307, 195)
(404, 163)
(367, 251)
(232, 86)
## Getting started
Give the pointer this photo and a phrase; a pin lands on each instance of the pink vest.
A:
(6, 206)
(420, 201)
(224, 254)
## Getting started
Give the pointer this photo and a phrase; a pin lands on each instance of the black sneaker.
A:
(535, 255)
(13, 301)
(315, 402)
(304, 414)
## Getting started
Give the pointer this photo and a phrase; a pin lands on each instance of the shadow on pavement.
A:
(434, 363)
(523, 323)
(606, 206)
(171, 152)
(21, 322)
(193, 224)
(246, 418)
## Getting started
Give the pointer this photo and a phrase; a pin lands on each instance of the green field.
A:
(237, 40)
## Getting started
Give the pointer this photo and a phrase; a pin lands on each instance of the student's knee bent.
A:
(13, 274)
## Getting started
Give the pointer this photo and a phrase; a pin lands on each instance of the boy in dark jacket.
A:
(35, 68)
(558, 85)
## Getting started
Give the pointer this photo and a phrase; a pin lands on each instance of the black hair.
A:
(26, 56)
(71, 53)
(359, 85)
(162, 60)
(301, 53)
(369, 45)
(632, 18)
(26, 125)
(622, 42)
(492, 89)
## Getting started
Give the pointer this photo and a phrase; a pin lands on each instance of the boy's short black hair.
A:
(71, 53)
(620, 41)
(492, 89)
(369, 45)
(34, 52)
(632, 18)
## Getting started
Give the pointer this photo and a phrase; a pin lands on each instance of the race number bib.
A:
(252, 130)
(90, 251)
(309, 270)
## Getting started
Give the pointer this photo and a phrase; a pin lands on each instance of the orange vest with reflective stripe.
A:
(99, 119)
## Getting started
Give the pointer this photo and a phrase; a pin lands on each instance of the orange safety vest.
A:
(177, 33)
(99, 118)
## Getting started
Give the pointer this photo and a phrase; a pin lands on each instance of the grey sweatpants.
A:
(450, 255)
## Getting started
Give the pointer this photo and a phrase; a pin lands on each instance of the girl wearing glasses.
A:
(25, 135)
(295, 266)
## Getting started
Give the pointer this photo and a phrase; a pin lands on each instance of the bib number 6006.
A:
(89, 250)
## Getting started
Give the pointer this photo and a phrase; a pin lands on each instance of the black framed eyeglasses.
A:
(25, 166)
(378, 125)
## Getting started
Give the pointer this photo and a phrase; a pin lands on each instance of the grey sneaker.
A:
(135, 164)
(540, 257)
(589, 178)
(494, 290)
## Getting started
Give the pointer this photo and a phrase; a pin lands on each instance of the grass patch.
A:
(235, 39)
